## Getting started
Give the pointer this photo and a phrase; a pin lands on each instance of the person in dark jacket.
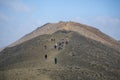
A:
(55, 59)
(55, 46)
(46, 56)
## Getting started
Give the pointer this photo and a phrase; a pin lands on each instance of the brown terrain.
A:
(82, 29)
(62, 51)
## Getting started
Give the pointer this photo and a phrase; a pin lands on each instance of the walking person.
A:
(46, 56)
(55, 59)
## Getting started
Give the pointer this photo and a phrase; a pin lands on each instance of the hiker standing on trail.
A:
(66, 42)
(55, 46)
(46, 56)
(52, 39)
(55, 59)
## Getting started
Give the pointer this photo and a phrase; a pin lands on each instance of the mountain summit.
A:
(82, 29)
(62, 51)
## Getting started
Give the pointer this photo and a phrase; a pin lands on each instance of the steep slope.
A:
(81, 58)
(1, 49)
(84, 30)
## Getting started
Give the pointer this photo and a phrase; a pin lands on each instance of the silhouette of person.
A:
(66, 42)
(46, 56)
(55, 46)
(55, 60)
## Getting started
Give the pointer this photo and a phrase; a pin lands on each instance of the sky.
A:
(20, 17)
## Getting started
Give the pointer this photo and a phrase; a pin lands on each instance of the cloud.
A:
(16, 5)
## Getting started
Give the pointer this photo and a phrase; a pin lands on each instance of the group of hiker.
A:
(58, 46)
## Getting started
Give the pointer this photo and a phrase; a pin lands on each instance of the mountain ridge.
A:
(82, 29)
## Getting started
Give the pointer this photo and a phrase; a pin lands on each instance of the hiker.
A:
(46, 56)
(66, 42)
(60, 47)
(52, 39)
(59, 43)
(55, 46)
(62, 42)
(55, 60)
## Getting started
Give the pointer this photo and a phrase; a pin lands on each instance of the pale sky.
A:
(19, 17)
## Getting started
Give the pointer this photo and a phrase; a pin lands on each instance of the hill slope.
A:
(81, 58)
(84, 30)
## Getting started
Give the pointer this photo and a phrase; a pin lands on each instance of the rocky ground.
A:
(81, 58)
